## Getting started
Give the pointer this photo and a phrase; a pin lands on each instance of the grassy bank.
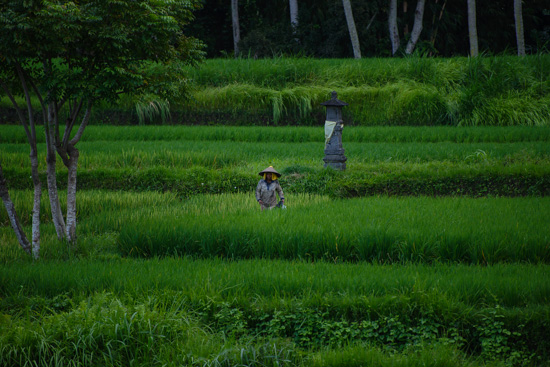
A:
(495, 91)
(413, 91)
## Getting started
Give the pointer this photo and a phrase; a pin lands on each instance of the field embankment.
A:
(189, 160)
(414, 91)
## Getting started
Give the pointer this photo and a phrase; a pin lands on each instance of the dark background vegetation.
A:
(322, 31)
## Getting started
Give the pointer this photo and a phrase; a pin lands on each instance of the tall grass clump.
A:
(383, 91)
(409, 91)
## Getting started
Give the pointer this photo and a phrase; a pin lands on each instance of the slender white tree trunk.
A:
(12, 214)
(69, 154)
(352, 30)
(293, 5)
(518, 15)
(417, 27)
(472, 28)
(236, 26)
(392, 23)
(71, 195)
(30, 130)
(57, 215)
(37, 198)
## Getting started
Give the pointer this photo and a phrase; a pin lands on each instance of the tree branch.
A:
(22, 78)
(70, 123)
(83, 124)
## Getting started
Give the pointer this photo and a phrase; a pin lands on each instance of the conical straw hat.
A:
(270, 169)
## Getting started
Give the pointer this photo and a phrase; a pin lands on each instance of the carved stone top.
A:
(334, 102)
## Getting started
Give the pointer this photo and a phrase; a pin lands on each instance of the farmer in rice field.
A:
(268, 185)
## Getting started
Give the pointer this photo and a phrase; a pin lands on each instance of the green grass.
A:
(413, 91)
(496, 91)
(404, 161)
(277, 284)
(377, 229)
(14, 134)
(378, 280)
(317, 313)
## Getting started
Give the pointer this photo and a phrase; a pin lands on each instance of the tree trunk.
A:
(236, 26)
(472, 28)
(57, 215)
(12, 214)
(293, 4)
(71, 194)
(417, 27)
(69, 154)
(518, 15)
(352, 30)
(392, 23)
(30, 130)
(37, 198)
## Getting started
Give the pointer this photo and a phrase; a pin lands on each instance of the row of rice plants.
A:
(272, 284)
(375, 229)
(382, 229)
(108, 331)
(248, 155)
(14, 134)
(483, 178)
(397, 308)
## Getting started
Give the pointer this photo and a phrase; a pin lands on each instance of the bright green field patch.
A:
(138, 310)
(247, 155)
(382, 230)
(295, 134)
(375, 229)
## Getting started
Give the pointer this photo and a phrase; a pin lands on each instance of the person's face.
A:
(268, 176)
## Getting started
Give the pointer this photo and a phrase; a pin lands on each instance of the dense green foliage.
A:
(484, 91)
(497, 91)
(176, 265)
(381, 230)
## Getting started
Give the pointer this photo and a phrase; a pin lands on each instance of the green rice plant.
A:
(445, 230)
(346, 286)
(316, 305)
(13, 138)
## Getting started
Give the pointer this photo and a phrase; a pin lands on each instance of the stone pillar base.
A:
(339, 166)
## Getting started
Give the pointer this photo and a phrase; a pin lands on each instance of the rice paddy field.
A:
(176, 264)
(431, 249)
